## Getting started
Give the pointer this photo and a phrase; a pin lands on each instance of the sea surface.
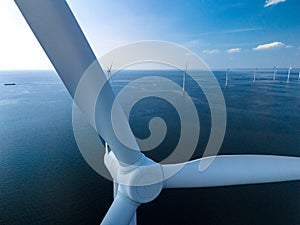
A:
(45, 180)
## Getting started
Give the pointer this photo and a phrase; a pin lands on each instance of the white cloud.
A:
(213, 51)
(273, 2)
(275, 44)
(233, 50)
(231, 31)
(192, 43)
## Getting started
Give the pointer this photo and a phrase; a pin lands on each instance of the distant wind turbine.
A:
(289, 74)
(183, 79)
(274, 74)
(254, 75)
(109, 71)
(108, 76)
(227, 77)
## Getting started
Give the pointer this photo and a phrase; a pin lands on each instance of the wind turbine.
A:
(183, 78)
(227, 77)
(254, 75)
(289, 74)
(108, 77)
(109, 71)
(59, 34)
(274, 72)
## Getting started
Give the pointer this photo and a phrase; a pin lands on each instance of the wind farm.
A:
(145, 134)
(139, 179)
(281, 75)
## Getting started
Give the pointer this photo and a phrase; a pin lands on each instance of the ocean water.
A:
(45, 180)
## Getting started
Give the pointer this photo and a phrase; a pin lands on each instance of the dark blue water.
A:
(44, 179)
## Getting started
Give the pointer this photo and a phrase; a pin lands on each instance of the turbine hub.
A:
(141, 182)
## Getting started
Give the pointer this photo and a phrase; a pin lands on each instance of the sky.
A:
(235, 34)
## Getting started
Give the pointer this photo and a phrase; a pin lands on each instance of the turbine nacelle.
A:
(141, 182)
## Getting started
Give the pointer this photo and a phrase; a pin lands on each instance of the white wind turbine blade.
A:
(133, 220)
(234, 170)
(121, 211)
(59, 34)
(115, 193)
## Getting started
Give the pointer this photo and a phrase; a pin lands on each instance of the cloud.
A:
(240, 30)
(214, 51)
(273, 2)
(192, 43)
(275, 44)
(231, 31)
(233, 50)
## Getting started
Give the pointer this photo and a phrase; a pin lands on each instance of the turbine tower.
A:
(59, 34)
(254, 75)
(289, 74)
(184, 78)
(274, 72)
(227, 77)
